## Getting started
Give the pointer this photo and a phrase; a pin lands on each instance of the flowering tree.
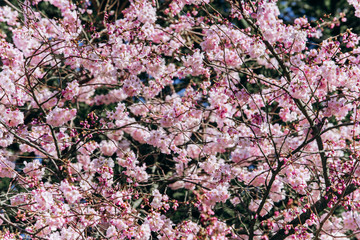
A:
(175, 120)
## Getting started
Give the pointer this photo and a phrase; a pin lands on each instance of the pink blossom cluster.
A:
(59, 116)
(356, 5)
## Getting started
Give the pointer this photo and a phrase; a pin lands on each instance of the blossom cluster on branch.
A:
(174, 120)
